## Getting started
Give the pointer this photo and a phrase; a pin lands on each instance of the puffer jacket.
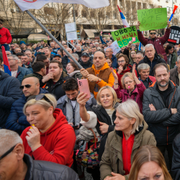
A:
(47, 170)
(112, 160)
(164, 125)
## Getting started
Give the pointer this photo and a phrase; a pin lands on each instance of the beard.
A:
(163, 85)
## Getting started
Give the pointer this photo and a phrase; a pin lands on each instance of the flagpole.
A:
(50, 35)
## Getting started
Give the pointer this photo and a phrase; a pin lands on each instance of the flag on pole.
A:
(37, 4)
(7, 68)
(125, 23)
(175, 7)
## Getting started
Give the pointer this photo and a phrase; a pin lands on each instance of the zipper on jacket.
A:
(167, 134)
(118, 166)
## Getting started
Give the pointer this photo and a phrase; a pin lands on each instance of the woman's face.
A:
(109, 62)
(37, 115)
(69, 68)
(150, 171)
(133, 53)
(123, 124)
(129, 83)
(171, 50)
(106, 99)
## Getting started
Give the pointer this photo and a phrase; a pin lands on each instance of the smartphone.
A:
(84, 86)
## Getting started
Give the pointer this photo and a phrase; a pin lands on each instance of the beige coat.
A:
(112, 156)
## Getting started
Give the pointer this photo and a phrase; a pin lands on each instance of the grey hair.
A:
(140, 54)
(14, 56)
(8, 51)
(28, 51)
(149, 45)
(75, 55)
(143, 66)
(178, 58)
(8, 139)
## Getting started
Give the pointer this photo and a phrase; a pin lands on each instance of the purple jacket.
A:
(157, 42)
(136, 95)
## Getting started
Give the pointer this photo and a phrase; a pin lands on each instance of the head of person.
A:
(17, 50)
(60, 52)
(99, 59)
(1, 24)
(8, 53)
(57, 57)
(13, 61)
(47, 51)
(30, 86)
(133, 54)
(78, 48)
(152, 34)
(133, 47)
(52, 44)
(122, 60)
(128, 82)
(11, 154)
(44, 59)
(75, 56)
(107, 97)
(23, 46)
(122, 49)
(28, 53)
(71, 67)
(128, 117)
(93, 49)
(143, 70)
(169, 49)
(109, 52)
(178, 63)
(109, 61)
(150, 51)
(71, 89)
(39, 67)
(39, 110)
(85, 57)
(138, 57)
(148, 163)
(56, 68)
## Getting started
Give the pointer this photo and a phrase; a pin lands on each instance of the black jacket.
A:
(174, 75)
(9, 92)
(45, 170)
(164, 125)
(86, 65)
(157, 59)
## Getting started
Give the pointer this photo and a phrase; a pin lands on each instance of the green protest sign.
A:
(124, 35)
(151, 19)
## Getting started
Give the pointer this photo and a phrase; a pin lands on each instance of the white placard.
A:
(71, 36)
(70, 27)
(115, 47)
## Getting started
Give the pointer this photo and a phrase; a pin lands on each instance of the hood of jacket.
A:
(3, 75)
(105, 66)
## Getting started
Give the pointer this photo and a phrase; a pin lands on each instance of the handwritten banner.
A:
(123, 36)
(151, 19)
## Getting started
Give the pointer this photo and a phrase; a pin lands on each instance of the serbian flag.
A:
(125, 23)
(37, 4)
(175, 7)
(6, 62)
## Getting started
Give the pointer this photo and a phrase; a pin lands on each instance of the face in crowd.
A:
(144, 73)
(152, 34)
(122, 62)
(99, 60)
(55, 70)
(150, 52)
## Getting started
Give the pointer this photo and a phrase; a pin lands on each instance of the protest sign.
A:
(174, 36)
(115, 47)
(151, 19)
(71, 33)
(124, 35)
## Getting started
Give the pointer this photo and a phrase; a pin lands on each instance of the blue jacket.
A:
(114, 62)
(9, 92)
(22, 71)
(28, 67)
(17, 120)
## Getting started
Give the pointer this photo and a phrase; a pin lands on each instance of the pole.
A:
(74, 14)
(50, 35)
(172, 12)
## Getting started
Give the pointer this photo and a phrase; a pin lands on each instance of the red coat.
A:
(57, 142)
(157, 42)
(5, 36)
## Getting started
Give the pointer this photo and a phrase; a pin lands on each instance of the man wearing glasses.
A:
(156, 41)
(16, 120)
(15, 165)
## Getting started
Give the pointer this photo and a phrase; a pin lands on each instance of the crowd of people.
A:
(130, 123)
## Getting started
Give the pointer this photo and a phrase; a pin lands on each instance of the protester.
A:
(109, 53)
(17, 71)
(78, 50)
(73, 70)
(132, 57)
(57, 57)
(130, 134)
(44, 59)
(49, 135)
(148, 163)
(157, 42)
(85, 61)
(143, 71)
(5, 37)
(160, 109)
(109, 61)
(133, 88)
(30, 55)
(175, 72)
(26, 62)
(151, 58)
(16, 120)
(17, 165)
(17, 50)
(99, 74)
(138, 57)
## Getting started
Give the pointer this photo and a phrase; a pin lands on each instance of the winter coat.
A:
(5, 36)
(57, 143)
(157, 59)
(174, 75)
(47, 170)
(9, 92)
(22, 71)
(112, 157)
(16, 120)
(157, 42)
(136, 94)
(114, 62)
(164, 125)
(86, 65)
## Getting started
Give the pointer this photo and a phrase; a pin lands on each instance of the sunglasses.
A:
(42, 96)
(7, 152)
(152, 33)
(27, 86)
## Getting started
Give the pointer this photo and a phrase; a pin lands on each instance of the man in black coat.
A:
(19, 166)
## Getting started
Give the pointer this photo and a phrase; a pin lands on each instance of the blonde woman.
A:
(50, 137)
(130, 133)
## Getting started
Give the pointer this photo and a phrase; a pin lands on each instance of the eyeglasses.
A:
(27, 86)
(42, 96)
(121, 61)
(7, 152)
(152, 33)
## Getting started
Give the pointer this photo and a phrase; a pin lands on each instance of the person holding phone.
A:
(101, 116)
